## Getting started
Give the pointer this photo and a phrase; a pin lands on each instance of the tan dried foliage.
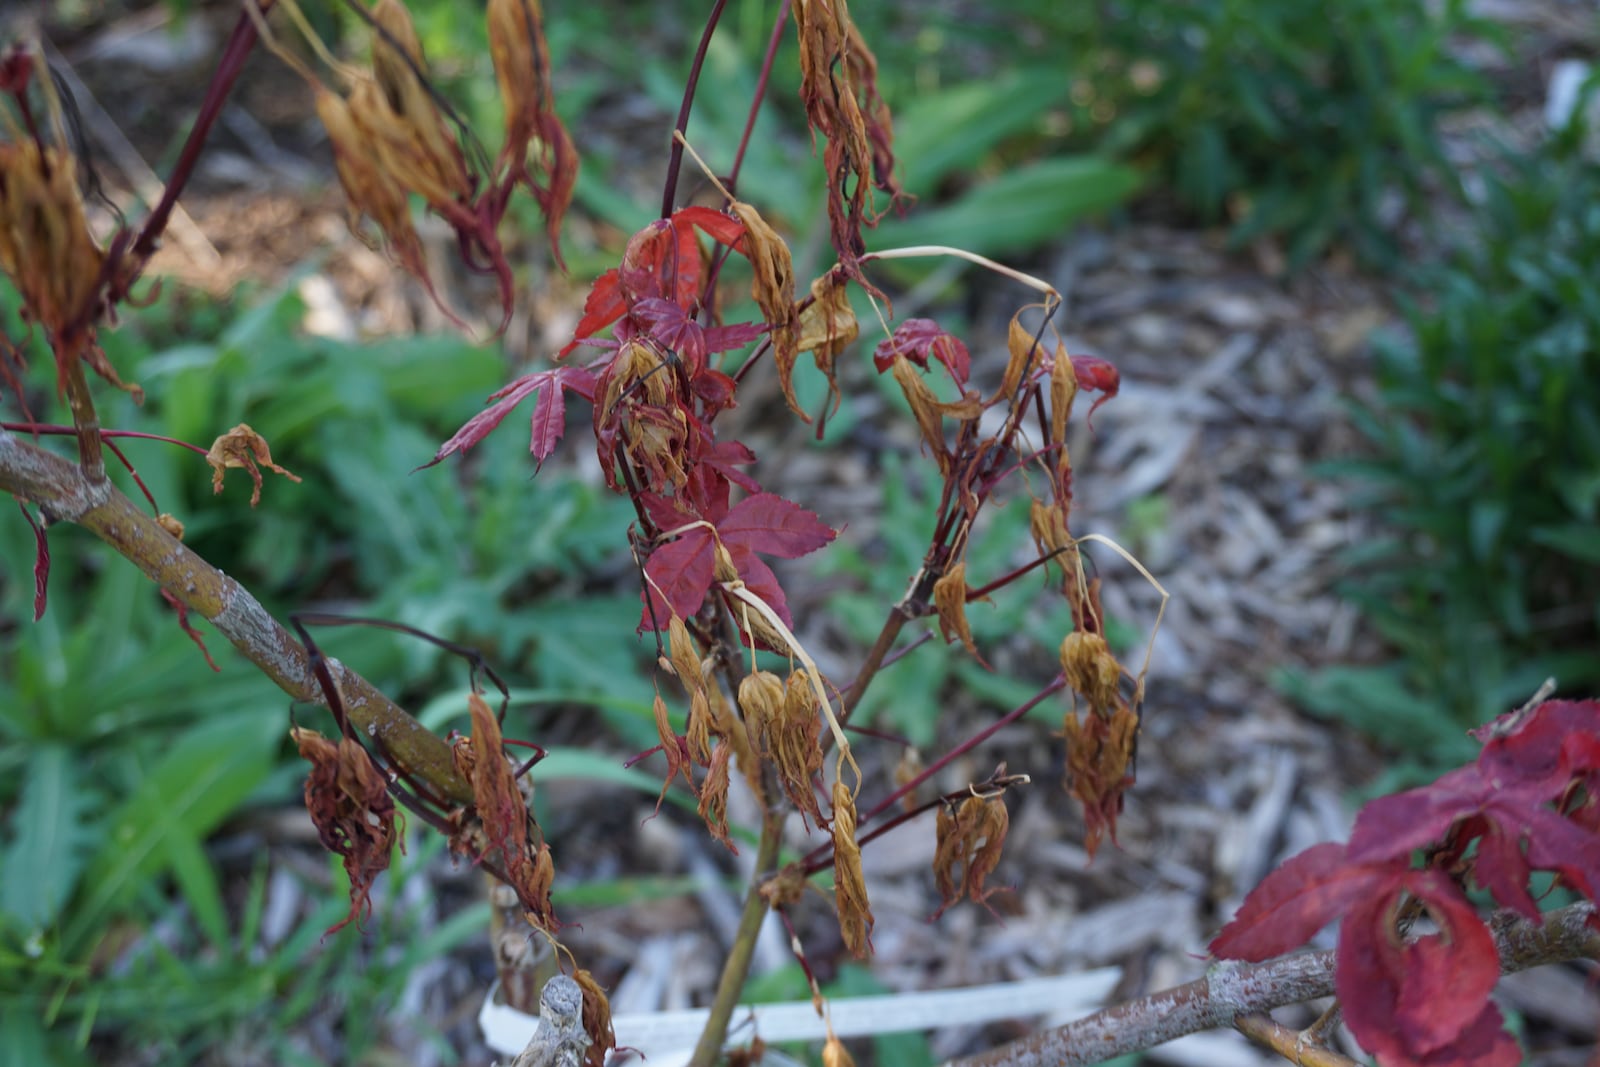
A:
(511, 832)
(849, 884)
(834, 1054)
(761, 696)
(1091, 670)
(1063, 387)
(826, 326)
(404, 124)
(772, 288)
(950, 600)
(714, 796)
(596, 1019)
(675, 748)
(838, 88)
(793, 744)
(45, 245)
(699, 727)
(243, 447)
(348, 798)
(171, 523)
(370, 192)
(1023, 356)
(971, 836)
(929, 411)
(1100, 752)
(522, 69)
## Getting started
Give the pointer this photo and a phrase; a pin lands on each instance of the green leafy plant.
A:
(1315, 124)
(1485, 472)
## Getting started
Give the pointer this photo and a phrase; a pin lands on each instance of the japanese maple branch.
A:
(64, 493)
(736, 968)
(1231, 990)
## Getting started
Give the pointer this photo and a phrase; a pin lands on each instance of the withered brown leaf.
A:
(510, 831)
(596, 1019)
(243, 447)
(350, 805)
(849, 884)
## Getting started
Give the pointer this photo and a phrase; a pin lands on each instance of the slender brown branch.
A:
(736, 968)
(1231, 990)
(85, 420)
(1293, 1045)
(874, 662)
(65, 494)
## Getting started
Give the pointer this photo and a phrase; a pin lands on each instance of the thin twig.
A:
(1293, 1045)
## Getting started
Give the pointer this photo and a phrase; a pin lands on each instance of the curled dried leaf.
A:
(510, 830)
(596, 1019)
(930, 412)
(243, 447)
(538, 150)
(761, 696)
(834, 1054)
(1091, 670)
(1099, 756)
(675, 748)
(793, 744)
(772, 286)
(1063, 387)
(171, 524)
(838, 88)
(849, 884)
(714, 796)
(950, 599)
(350, 805)
(45, 245)
(970, 837)
(826, 326)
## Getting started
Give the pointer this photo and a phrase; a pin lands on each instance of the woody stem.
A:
(669, 195)
(736, 968)
(85, 421)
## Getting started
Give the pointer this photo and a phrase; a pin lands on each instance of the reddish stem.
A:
(761, 93)
(229, 67)
(669, 194)
(105, 435)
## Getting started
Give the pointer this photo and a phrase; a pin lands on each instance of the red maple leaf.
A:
(1504, 802)
(1096, 374)
(549, 414)
(661, 261)
(684, 570)
(917, 340)
(1424, 1000)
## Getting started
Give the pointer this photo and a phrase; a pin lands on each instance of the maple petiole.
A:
(1133, 561)
(926, 251)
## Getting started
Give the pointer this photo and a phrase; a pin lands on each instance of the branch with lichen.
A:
(64, 493)
(1231, 991)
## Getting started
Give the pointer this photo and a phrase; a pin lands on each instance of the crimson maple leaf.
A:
(662, 261)
(1417, 1001)
(684, 570)
(917, 339)
(549, 413)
